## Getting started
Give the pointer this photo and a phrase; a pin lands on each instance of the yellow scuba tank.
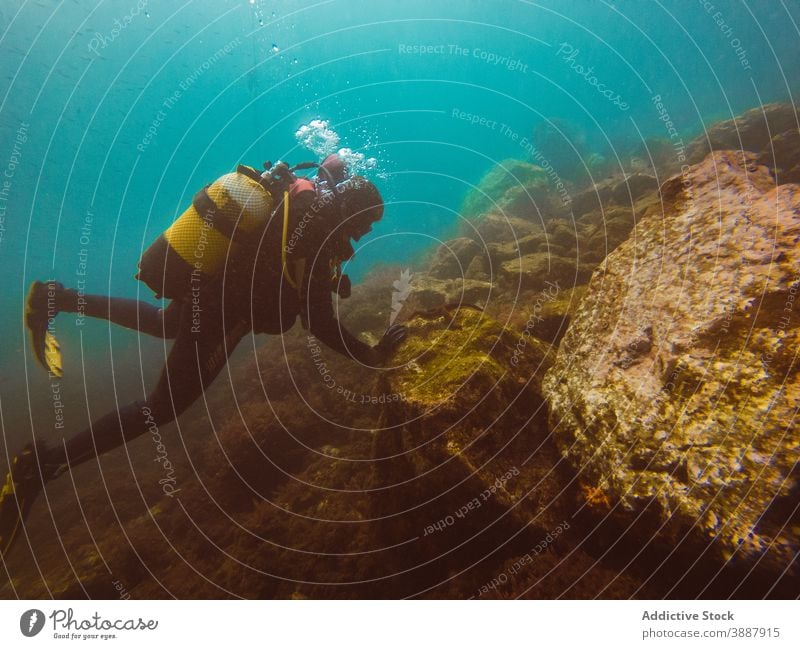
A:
(200, 241)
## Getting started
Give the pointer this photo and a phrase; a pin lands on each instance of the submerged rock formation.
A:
(621, 191)
(675, 389)
(750, 131)
(772, 131)
(463, 460)
(515, 188)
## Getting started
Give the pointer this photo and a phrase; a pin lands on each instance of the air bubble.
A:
(356, 161)
(318, 137)
(275, 49)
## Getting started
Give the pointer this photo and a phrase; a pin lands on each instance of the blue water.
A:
(118, 112)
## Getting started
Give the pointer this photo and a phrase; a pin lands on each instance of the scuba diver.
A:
(219, 265)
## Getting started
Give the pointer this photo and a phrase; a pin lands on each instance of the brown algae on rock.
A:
(455, 355)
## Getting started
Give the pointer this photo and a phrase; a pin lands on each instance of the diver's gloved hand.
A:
(391, 339)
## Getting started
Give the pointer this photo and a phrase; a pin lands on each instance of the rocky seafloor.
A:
(598, 398)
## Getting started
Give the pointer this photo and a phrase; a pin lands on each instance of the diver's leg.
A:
(196, 358)
(133, 314)
(203, 343)
(47, 299)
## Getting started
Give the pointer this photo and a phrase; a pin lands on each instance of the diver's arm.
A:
(323, 324)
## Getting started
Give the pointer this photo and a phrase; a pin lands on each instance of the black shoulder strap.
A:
(210, 213)
(275, 184)
(249, 172)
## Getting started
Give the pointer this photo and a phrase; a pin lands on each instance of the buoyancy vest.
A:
(224, 216)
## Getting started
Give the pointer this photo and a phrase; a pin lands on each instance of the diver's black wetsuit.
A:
(207, 326)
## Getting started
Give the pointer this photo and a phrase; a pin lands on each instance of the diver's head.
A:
(361, 205)
(333, 169)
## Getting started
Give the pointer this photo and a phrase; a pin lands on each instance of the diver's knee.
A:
(157, 411)
(169, 324)
(170, 319)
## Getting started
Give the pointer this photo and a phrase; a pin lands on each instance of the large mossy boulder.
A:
(514, 188)
(622, 191)
(426, 293)
(463, 411)
(453, 258)
(782, 156)
(454, 357)
(540, 269)
(676, 386)
(499, 228)
(467, 388)
(751, 131)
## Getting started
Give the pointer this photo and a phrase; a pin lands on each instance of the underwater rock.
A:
(562, 233)
(588, 239)
(617, 190)
(611, 228)
(597, 165)
(426, 293)
(465, 461)
(468, 291)
(631, 188)
(568, 251)
(594, 197)
(453, 257)
(431, 293)
(477, 269)
(750, 131)
(676, 384)
(500, 252)
(535, 271)
(513, 188)
(471, 412)
(654, 156)
(456, 357)
(499, 228)
(457, 481)
(782, 156)
(444, 482)
(553, 318)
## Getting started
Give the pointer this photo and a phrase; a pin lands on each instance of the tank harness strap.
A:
(324, 171)
(299, 273)
(300, 265)
(208, 211)
(249, 172)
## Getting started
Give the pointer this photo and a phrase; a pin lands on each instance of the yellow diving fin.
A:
(52, 355)
(46, 348)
